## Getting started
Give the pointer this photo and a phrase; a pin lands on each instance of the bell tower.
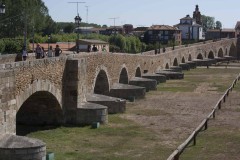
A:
(197, 15)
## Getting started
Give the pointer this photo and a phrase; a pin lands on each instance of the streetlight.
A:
(78, 20)
(142, 39)
(220, 34)
(2, 8)
(173, 41)
(49, 38)
(159, 36)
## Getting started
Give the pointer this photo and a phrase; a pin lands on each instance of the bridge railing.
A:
(204, 124)
(168, 49)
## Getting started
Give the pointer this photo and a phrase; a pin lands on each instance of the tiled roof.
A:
(223, 30)
(186, 18)
(162, 27)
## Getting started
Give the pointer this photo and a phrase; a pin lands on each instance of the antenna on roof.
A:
(87, 14)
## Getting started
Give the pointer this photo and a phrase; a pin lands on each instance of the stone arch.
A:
(175, 62)
(123, 78)
(233, 50)
(138, 72)
(199, 56)
(39, 104)
(211, 55)
(183, 60)
(189, 57)
(101, 83)
(220, 52)
(167, 66)
(36, 86)
(41, 108)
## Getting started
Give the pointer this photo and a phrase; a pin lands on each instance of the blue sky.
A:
(143, 12)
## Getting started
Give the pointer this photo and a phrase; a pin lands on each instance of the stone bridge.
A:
(57, 91)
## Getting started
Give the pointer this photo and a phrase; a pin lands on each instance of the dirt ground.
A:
(175, 115)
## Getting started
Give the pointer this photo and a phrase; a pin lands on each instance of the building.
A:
(139, 31)
(192, 27)
(215, 34)
(197, 16)
(163, 34)
(128, 28)
(85, 43)
(237, 29)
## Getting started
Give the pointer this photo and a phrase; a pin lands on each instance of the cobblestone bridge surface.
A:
(64, 82)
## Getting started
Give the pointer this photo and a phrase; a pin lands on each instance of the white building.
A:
(190, 29)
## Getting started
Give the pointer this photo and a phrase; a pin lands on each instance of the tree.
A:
(208, 22)
(24, 14)
(218, 25)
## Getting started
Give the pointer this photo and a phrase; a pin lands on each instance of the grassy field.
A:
(124, 139)
(222, 140)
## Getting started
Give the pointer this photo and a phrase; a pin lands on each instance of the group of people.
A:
(40, 52)
(95, 49)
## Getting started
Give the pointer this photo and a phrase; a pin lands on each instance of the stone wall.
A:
(8, 102)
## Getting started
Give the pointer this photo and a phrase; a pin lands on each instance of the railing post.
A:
(219, 105)
(176, 157)
(194, 139)
(227, 93)
(224, 98)
(206, 125)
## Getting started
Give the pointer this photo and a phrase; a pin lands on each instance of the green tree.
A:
(218, 25)
(24, 14)
(208, 22)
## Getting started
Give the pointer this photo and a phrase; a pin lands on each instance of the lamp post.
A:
(49, 38)
(173, 41)
(220, 33)
(78, 20)
(142, 39)
(2, 8)
(159, 45)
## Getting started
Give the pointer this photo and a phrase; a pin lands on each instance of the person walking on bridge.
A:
(24, 53)
(58, 51)
(38, 51)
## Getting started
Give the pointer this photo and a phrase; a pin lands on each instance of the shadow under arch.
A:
(183, 60)
(189, 57)
(210, 55)
(199, 56)
(175, 62)
(102, 83)
(138, 72)
(220, 52)
(226, 51)
(233, 50)
(123, 76)
(41, 111)
(167, 66)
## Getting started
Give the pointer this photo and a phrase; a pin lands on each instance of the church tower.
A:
(197, 15)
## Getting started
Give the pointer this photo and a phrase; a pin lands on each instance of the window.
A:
(150, 32)
(166, 32)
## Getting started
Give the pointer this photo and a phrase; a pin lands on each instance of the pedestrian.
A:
(104, 49)
(24, 53)
(94, 49)
(38, 51)
(43, 53)
(58, 51)
(89, 48)
(50, 52)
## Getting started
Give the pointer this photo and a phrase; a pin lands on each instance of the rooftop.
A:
(162, 27)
